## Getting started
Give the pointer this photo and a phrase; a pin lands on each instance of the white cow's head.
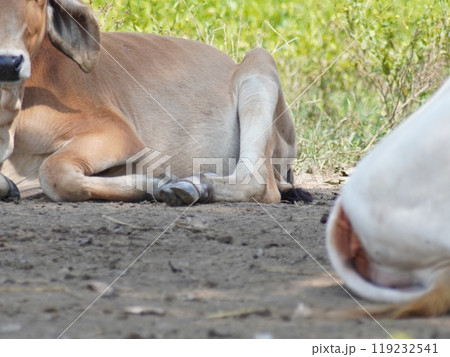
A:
(388, 236)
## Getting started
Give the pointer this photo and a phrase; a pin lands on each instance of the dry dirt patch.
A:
(219, 271)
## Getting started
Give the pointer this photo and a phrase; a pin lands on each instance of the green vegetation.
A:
(350, 77)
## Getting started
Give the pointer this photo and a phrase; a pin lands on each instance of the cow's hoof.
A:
(179, 193)
(8, 189)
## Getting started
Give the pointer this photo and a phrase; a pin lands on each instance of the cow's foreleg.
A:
(75, 172)
(9, 107)
(8, 190)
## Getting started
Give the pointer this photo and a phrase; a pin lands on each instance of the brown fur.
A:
(175, 96)
(434, 303)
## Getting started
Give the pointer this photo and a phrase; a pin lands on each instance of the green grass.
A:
(349, 77)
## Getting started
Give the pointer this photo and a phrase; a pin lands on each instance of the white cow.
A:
(388, 236)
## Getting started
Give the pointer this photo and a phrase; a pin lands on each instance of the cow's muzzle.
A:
(10, 67)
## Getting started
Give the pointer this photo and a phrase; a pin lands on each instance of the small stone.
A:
(101, 288)
(303, 310)
(144, 310)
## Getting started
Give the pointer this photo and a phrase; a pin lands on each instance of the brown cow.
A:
(75, 110)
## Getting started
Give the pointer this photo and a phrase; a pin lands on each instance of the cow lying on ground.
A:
(76, 109)
(388, 236)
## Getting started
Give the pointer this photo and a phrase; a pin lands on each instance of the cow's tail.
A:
(296, 194)
(350, 263)
(435, 302)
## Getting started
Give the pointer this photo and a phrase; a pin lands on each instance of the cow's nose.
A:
(10, 67)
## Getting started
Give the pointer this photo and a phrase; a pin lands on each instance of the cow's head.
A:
(71, 27)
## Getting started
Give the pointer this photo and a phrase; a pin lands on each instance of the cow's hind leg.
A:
(266, 132)
(74, 173)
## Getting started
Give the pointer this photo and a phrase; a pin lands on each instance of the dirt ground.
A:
(211, 271)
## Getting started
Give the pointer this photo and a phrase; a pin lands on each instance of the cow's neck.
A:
(44, 65)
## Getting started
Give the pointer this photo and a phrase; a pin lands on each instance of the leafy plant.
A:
(351, 70)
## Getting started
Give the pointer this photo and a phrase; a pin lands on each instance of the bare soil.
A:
(211, 271)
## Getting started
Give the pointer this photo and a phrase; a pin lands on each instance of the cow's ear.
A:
(73, 29)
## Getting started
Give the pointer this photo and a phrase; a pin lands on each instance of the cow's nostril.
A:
(17, 62)
(10, 67)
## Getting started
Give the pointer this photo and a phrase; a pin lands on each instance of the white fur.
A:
(398, 203)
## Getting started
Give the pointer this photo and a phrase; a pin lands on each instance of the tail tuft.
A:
(296, 194)
(435, 302)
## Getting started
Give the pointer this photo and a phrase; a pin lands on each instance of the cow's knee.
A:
(62, 180)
